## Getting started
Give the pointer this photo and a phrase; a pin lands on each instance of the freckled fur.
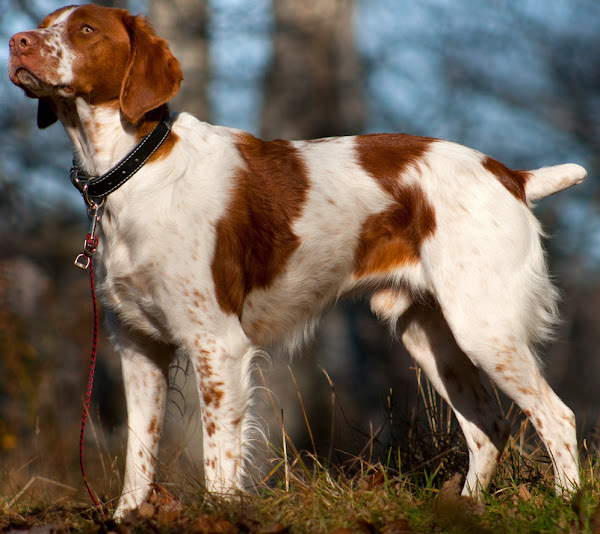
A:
(224, 246)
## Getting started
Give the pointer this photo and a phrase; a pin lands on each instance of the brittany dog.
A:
(219, 245)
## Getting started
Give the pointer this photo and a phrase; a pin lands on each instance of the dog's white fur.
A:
(468, 289)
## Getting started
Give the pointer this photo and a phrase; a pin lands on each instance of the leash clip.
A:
(91, 241)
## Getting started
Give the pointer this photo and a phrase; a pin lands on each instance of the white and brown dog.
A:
(222, 245)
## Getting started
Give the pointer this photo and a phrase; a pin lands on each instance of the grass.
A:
(413, 488)
(378, 499)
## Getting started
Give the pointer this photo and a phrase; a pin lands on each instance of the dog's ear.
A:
(45, 115)
(153, 74)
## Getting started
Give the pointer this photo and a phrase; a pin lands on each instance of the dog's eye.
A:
(87, 29)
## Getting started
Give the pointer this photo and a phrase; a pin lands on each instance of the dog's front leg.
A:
(222, 364)
(145, 383)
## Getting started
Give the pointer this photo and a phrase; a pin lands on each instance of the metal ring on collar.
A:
(91, 203)
(75, 178)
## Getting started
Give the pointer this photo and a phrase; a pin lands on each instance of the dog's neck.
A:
(101, 135)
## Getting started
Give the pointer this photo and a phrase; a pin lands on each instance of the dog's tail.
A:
(549, 180)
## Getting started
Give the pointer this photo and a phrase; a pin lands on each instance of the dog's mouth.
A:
(26, 79)
(34, 86)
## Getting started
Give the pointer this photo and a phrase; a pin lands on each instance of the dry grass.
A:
(413, 488)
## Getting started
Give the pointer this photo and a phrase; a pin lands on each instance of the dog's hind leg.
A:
(511, 365)
(428, 339)
(496, 310)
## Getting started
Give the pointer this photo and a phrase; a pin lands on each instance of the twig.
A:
(304, 414)
(285, 458)
(23, 490)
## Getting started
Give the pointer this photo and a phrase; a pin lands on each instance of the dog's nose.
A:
(22, 42)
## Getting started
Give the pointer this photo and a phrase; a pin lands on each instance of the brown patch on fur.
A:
(514, 181)
(211, 428)
(212, 390)
(393, 237)
(124, 63)
(386, 156)
(255, 237)
(212, 395)
(152, 427)
(200, 296)
(154, 430)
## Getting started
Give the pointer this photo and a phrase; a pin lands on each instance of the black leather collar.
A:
(96, 188)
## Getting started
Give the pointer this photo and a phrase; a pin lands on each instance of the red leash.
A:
(90, 246)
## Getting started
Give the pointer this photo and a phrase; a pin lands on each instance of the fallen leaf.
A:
(212, 524)
(146, 510)
(164, 500)
(166, 517)
(451, 509)
(523, 493)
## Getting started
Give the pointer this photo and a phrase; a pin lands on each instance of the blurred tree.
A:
(184, 24)
(514, 78)
(313, 85)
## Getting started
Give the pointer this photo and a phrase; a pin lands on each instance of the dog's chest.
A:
(148, 272)
(130, 291)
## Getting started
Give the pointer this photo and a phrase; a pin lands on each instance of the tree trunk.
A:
(184, 24)
(313, 87)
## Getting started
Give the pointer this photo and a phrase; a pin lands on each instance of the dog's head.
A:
(104, 55)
